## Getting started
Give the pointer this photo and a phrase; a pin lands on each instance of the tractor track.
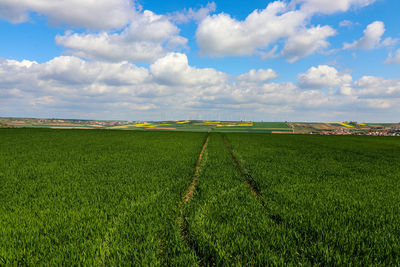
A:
(196, 173)
(251, 184)
(245, 174)
(182, 222)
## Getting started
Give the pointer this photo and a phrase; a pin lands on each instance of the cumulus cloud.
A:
(117, 29)
(330, 7)
(307, 42)
(194, 14)
(72, 87)
(374, 93)
(75, 71)
(100, 14)
(377, 87)
(258, 75)
(372, 38)
(64, 73)
(221, 35)
(323, 76)
(174, 69)
(393, 59)
(147, 38)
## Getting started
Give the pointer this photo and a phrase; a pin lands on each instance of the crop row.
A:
(339, 195)
(94, 197)
(117, 198)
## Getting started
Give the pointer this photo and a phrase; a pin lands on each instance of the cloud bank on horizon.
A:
(287, 60)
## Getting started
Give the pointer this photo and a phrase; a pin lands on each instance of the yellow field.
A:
(213, 122)
(141, 124)
(341, 123)
(346, 125)
(156, 125)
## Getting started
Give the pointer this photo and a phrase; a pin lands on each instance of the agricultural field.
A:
(85, 197)
(336, 198)
(202, 126)
(93, 197)
(182, 125)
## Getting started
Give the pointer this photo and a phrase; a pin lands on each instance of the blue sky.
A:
(294, 60)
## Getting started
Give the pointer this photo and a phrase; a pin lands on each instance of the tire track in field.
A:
(183, 224)
(251, 184)
(196, 173)
(245, 174)
(276, 218)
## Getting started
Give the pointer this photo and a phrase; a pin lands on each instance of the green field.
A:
(101, 197)
(93, 197)
(273, 125)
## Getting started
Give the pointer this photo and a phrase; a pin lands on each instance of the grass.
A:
(93, 197)
(339, 195)
(278, 125)
(85, 197)
(227, 225)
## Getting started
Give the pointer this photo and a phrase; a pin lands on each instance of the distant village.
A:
(393, 131)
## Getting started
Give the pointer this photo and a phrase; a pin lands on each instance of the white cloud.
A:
(222, 35)
(258, 75)
(307, 42)
(323, 76)
(393, 59)
(174, 69)
(75, 71)
(99, 14)
(377, 87)
(43, 100)
(194, 14)
(72, 87)
(374, 93)
(346, 90)
(372, 38)
(147, 38)
(347, 23)
(122, 31)
(330, 7)
(379, 103)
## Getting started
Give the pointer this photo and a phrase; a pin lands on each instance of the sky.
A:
(293, 60)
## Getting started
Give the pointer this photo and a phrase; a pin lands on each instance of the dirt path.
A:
(183, 224)
(196, 173)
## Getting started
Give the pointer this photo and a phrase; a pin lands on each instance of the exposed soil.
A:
(282, 132)
(70, 127)
(183, 224)
(163, 128)
(196, 173)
